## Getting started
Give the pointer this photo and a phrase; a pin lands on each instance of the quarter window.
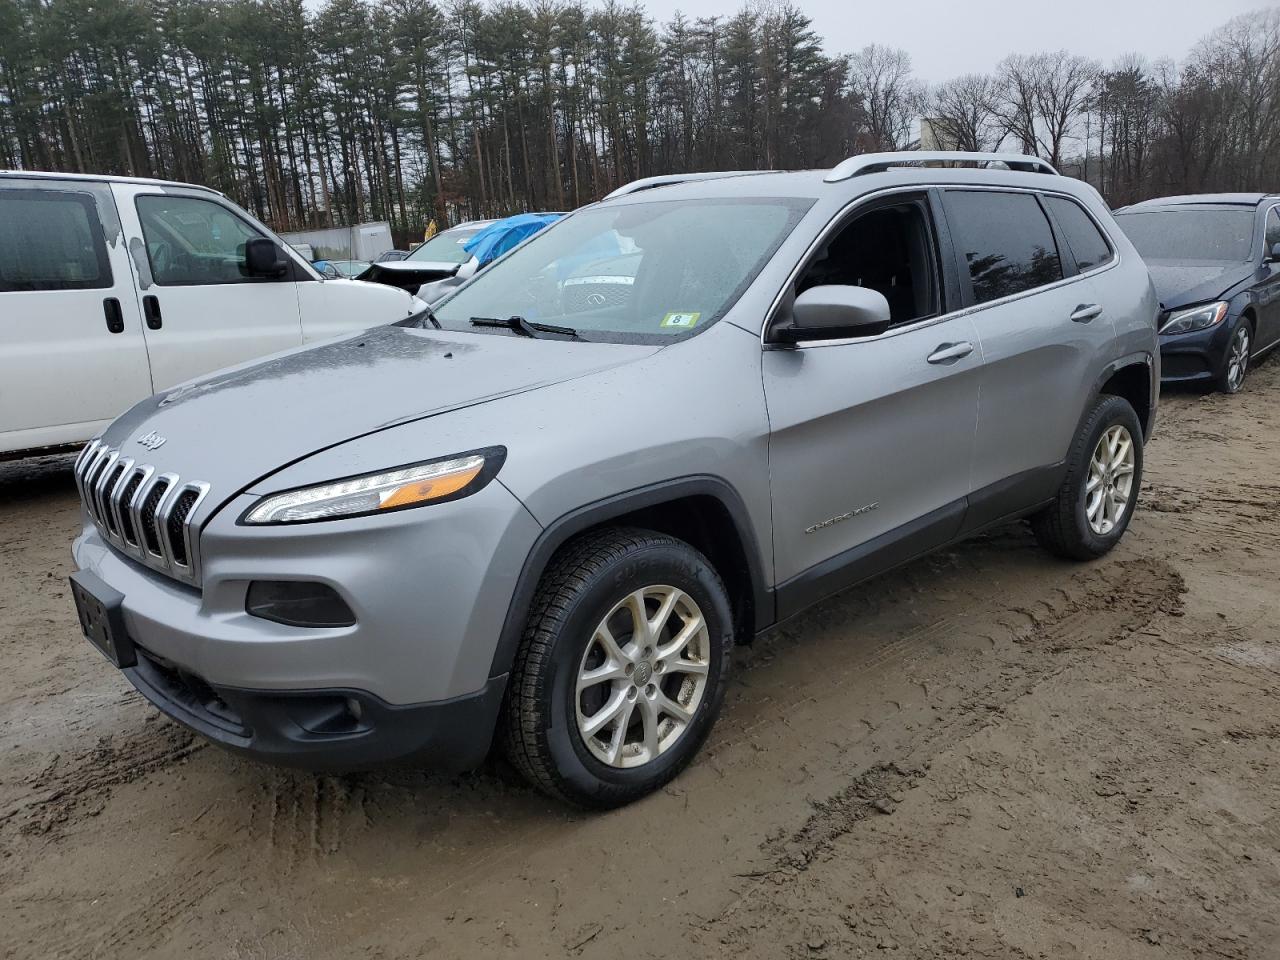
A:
(1005, 240)
(192, 241)
(1088, 245)
(51, 240)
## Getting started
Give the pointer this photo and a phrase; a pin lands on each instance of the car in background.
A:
(1215, 262)
(390, 256)
(341, 269)
(115, 288)
(455, 255)
(434, 267)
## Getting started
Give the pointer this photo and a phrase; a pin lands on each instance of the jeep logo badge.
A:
(152, 440)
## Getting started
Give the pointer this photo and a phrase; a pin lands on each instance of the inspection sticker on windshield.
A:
(680, 319)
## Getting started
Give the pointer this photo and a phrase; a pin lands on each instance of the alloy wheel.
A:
(1110, 482)
(642, 676)
(1238, 358)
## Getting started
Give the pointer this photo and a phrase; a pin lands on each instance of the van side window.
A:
(1006, 241)
(1088, 245)
(51, 240)
(192, 241)
(890, 250)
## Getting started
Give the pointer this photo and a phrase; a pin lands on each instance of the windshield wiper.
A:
(529, 328)
(419, 320)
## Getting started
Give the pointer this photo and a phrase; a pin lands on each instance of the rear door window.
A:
(51, 240)
(1005, 242)
(1087, 243)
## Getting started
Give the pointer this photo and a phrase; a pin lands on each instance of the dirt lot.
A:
(989, 753)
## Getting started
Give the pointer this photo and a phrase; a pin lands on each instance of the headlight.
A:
(1195, 318)
(414, 485)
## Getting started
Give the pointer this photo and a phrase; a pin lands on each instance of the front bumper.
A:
(1195, 357)
(429, 589)
(329, 730)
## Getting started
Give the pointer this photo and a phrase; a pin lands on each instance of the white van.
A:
(114, 288)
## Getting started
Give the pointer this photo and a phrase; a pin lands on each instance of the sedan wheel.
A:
(1237, 359)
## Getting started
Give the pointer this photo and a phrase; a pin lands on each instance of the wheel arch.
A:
(1131, 378)
(704, 511)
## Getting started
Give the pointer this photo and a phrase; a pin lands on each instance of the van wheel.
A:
(1104, 473)
(621, 671)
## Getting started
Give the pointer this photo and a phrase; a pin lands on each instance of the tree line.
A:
(413, 110)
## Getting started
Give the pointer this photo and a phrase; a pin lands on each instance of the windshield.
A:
(447, 247)
(1190, 233)
(634, 273)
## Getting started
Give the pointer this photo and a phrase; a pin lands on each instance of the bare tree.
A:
(962, 112)
(880, 81)
(1043, 96)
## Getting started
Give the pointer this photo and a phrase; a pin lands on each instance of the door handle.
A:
(151, 310)
(950, 352)
(1085, 312)
(115, 316)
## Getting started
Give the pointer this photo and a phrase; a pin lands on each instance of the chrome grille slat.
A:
(133, 507)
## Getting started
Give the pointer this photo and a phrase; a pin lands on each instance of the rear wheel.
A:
(1100, 488)
(1237, 362)
(621, 671)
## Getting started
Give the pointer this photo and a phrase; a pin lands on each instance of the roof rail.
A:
(879, 162)
(667, 179)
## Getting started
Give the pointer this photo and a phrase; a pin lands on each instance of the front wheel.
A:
(621, 671)
(1237, 362)
(1100, 488)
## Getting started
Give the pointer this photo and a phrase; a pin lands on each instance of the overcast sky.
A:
(949, 37)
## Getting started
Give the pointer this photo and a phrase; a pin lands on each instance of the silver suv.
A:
(545, 512)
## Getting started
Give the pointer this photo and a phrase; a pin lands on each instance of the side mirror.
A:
(1274, 253)
(833, 312)
(262, 258)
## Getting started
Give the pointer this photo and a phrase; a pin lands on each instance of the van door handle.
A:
(115, 316)
(1085, 312)
(950, 352)
(151, 310)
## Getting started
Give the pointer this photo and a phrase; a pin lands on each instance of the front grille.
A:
(144, 514)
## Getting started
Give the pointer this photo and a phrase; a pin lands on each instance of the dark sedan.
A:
(1215, 262)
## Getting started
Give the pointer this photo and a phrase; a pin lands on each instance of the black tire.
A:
(539, 730)
(1227, 382)
(1063, 527)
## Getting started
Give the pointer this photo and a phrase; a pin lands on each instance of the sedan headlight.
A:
(414, 485)
(1195, 318)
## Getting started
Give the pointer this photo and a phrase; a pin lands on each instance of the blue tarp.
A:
(495, 240)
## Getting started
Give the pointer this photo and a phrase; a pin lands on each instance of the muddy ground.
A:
(989, 753)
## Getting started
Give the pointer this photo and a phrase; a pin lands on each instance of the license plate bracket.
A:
(101, 614)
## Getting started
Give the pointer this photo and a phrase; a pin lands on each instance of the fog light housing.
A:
(298, 603)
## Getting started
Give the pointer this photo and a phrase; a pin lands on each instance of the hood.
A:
(1179, 283)
(236, 426)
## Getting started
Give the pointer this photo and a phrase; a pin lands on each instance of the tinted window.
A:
(192, 241)
(1006, 241)
(1190, 233)
(51, 240)
(1086, 241)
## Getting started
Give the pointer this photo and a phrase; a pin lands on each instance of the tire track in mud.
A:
(1109, 603)
(71, 787)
